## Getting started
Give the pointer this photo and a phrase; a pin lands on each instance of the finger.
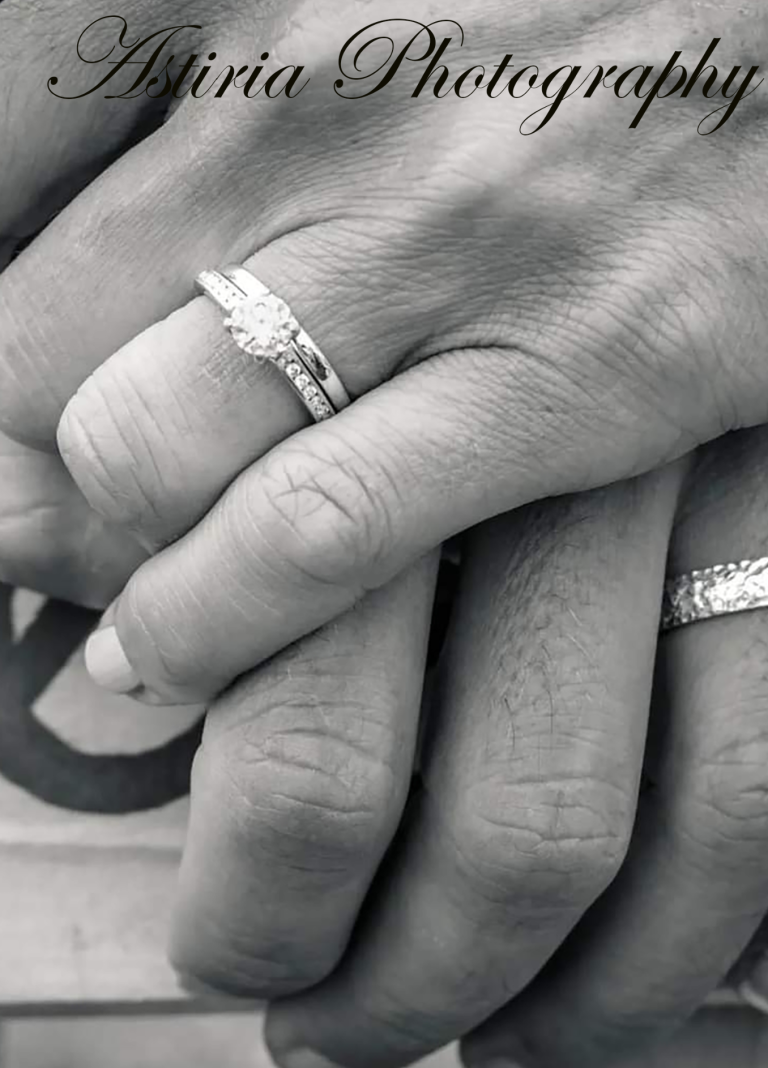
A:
(714, 1038)
(50, 540)
(539, 394)
(729, 1037)
(341, 508)
(296, 792)
(52, 147)
(253, 176)
(245, 179)
(155, 434)
(695, 884)
(530, 768)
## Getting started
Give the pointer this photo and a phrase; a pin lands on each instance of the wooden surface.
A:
(92, 818)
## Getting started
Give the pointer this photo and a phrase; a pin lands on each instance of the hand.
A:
(50, 539)
(568, 330)
(524, 880)
(503, 455)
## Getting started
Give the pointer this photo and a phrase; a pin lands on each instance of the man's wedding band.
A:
(263, 326)
(716, 591)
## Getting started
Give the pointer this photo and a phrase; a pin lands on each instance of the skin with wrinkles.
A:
(567, 309)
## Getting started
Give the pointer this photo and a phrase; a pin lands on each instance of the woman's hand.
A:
(574, 306)
(50, 539)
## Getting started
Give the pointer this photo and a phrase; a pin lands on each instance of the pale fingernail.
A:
(107, 663)
(303, 1058)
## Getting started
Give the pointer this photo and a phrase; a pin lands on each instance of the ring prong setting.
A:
(264, 328)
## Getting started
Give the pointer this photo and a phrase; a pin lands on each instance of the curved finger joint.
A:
(326, 515)
(308, 799)
(557, 844)
(111, 451)
(729, 790)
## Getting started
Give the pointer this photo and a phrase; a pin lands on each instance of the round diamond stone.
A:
(263, 327)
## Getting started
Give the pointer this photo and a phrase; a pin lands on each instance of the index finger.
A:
(296, 792)
(342, 507)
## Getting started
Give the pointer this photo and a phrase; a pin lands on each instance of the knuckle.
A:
(328, 514)
(391, 1012)
(730, 792)
(307, 797)
(106, 444)
(556, 844)
(234, 966)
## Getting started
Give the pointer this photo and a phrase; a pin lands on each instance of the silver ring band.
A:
(219, 289)
(263, 326)
(715, 591)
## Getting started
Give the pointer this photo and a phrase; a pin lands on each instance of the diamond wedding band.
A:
(715, 591)
(263, 326)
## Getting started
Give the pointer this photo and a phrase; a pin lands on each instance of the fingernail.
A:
(303, 1058)
(107, 664)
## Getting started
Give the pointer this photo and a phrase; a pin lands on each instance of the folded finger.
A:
(50, 539)
(141, 233)
(529, 388)
(156, 433)
(530, 768)
(695, 884)
(342, 507)
(296, 792)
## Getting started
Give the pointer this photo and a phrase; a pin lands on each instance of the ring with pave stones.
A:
(263, 326)
(715, 591)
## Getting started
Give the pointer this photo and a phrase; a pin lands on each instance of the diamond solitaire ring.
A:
(715, 591)
(263, 326)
